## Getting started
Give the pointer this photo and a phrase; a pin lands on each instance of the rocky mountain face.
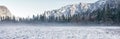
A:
(100, 11)
(5, 14)
(4, 11)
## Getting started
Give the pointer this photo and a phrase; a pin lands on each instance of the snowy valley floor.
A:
(37, 32)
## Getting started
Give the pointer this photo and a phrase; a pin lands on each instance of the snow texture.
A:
(37, 32)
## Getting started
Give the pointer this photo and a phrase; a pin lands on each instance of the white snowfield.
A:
(36, 32)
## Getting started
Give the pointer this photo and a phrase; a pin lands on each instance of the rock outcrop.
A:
(4, 11)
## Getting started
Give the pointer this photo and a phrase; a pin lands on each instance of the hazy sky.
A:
(25, 8)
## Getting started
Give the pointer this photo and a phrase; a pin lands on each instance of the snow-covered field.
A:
(37, 32)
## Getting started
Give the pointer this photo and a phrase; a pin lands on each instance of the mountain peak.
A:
(86, 11)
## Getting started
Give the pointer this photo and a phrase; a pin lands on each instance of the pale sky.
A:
(25, 8)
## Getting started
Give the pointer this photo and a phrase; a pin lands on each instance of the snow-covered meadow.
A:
(53, 32)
